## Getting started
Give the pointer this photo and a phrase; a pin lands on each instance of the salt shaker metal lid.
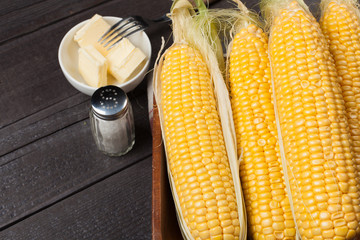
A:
(109, 102)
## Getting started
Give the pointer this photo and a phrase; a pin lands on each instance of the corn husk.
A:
(186, 32)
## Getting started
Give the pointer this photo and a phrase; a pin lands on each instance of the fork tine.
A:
(123, 31)
(128, 34)
(111, 29)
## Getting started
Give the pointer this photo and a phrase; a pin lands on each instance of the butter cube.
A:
(118, 54)
(92, 66)
(124, 60)
(90, 33)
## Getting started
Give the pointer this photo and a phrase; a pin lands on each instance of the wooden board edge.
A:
(156, 175)
(164, 221)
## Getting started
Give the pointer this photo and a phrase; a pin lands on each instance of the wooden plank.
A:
(28, 18)
(119, 207)
(60, 164)
(48, 153)
(13, 5)
(31, 77)
(44, 123)
(35, 82)
(33, 17)
(164, 222)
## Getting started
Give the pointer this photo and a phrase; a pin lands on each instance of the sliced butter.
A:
(92, 66)
(124, 60)
(118, 54)
(90, 33)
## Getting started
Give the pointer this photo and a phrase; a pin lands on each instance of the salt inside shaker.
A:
(112, 121)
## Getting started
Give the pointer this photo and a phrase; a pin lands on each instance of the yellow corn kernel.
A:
(265, 198)
(314, 127)
(341, 27)
(196, 149)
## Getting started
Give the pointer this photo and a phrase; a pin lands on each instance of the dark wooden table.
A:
(54, 183)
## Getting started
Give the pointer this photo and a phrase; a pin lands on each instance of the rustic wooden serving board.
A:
(164, 222)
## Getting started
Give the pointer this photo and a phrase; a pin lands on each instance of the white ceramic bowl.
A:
(68, 59)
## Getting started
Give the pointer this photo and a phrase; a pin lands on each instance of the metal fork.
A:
(130, 25)
(126, 27)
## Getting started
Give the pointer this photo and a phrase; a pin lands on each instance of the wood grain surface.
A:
(164, 222)
(54, 183)
(118, 207)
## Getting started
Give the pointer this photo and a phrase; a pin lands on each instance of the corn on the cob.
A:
(314, 129)
(196, 150)
(340, 24)
(267, 204)
(201, 155)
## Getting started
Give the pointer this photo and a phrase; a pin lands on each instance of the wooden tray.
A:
(164, 222)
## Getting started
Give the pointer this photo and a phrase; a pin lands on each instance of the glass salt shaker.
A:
(112, 121)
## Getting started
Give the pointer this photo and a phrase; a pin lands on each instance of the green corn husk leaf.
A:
(245, 17)
(187, 31)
